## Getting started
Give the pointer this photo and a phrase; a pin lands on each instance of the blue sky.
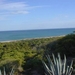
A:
(36, 14)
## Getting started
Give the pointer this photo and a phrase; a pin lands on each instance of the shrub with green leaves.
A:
(57, 66)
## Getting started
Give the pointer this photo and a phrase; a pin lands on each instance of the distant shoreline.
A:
(30, 39)
(13, 36)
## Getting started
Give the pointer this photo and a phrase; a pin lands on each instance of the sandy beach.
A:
(31, 39)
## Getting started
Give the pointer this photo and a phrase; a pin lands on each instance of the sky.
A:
(36, 14)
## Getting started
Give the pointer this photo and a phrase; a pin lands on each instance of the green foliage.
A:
(66, 45)
(32, 63)
(25, 53)
(21, 50)
(57, 66)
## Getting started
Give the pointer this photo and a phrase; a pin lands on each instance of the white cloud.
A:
(15, 7)
(20, 12)
(33, 7)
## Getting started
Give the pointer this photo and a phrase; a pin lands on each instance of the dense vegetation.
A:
(26, 55)
(65, 45)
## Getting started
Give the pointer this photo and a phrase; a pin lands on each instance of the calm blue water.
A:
(25, 34)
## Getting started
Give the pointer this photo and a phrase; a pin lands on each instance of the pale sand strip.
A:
(31, 39)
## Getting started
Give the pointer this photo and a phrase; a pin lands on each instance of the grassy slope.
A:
(27, 54)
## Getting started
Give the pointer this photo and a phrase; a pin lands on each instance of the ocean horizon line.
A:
(36, 29)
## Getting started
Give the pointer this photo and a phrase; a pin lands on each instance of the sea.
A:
(32, 34)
